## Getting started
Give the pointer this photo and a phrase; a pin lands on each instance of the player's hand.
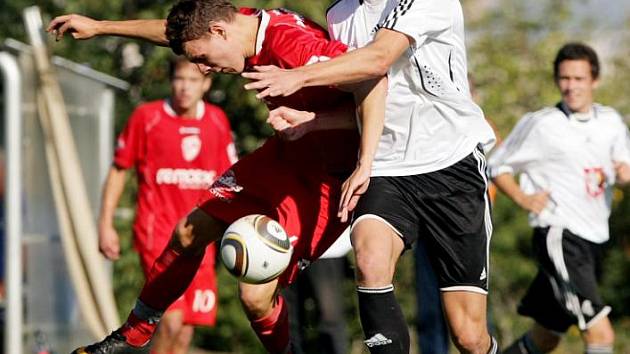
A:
(622, 170)
(109, 242)
(80, 27)
(352, 189)
(290, 123)
(535, 203)
(273, 81)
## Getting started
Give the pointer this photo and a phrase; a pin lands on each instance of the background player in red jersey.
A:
(296, 182)
(178, 146)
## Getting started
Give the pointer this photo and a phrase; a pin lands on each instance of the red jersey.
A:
(288, 40)
(297, 182)
(176, 159)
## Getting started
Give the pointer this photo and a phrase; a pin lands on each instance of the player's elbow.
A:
(380, 66)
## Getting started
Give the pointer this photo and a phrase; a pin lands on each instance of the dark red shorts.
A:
(296, 183)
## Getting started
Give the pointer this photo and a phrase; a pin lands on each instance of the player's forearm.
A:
(153, 31)
(112, 190)
(507, 184)
(369, 62)
(372, 114)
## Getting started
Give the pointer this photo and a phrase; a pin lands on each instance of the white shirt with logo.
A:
(572, 158)
(431, 121)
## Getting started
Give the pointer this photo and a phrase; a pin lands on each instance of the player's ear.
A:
(216, 28)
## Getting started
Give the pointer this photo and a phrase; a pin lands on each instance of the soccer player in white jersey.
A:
(428, 177)
(568, 157)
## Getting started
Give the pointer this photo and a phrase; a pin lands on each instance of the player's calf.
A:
(268, 315)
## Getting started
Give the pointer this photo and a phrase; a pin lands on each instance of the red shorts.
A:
(296, 183)
(199, 303)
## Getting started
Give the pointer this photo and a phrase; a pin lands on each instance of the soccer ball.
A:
(256, 249)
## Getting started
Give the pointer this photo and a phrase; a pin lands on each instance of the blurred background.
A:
(511, 45)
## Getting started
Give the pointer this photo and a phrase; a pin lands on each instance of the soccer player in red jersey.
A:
(296, 181)
(178, 147)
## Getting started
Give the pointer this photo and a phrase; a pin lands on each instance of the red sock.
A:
(169, 277)
(138, 332)
(273, 329)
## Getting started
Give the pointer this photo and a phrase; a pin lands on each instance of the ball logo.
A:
(191, 146)
(274, 229)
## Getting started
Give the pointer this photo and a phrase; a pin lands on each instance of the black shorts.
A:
(449, 209)
(564, 291)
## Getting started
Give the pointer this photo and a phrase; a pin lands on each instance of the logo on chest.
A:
(595, 180)
(191, 146)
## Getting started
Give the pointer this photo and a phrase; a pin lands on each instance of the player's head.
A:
(576, 72)
(200, 30)
(188, 84)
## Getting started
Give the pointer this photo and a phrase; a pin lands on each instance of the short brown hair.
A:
(188, 20)
(577, 51)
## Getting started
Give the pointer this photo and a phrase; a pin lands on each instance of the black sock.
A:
(383, 322)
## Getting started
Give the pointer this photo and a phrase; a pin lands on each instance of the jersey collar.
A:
(168, 108)
(579, 117)
(262, 29)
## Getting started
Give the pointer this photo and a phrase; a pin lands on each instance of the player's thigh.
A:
(377, 248)
(258, 299)
(465, 312)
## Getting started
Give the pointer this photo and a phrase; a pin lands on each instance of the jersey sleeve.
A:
(297, 45)
(419, 19)
(621, 144)
(520, 149)
(130, 141)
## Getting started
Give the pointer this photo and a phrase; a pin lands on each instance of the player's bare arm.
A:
(83, 27)
(370, 99)
(108, 241)
(369, 62)
(534, 203)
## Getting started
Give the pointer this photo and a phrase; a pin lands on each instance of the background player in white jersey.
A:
(428, 175)
(178, 146)
(568, 157)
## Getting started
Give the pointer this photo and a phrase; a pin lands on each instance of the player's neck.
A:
(246, 29)
(186, 113)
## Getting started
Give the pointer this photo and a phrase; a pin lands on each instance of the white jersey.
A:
(573, 160)
(431, 121)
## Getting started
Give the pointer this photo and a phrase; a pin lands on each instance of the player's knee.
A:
(372, 270)
(170, 326)
(471, 340)
(184, 338)
(255, 301)
(183, 236)
(196, 231)
(600, 335)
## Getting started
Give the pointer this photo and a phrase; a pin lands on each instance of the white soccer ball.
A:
(256, 249)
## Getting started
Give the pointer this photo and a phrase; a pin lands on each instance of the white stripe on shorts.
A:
(554, 249)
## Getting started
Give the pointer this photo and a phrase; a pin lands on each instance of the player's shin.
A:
(169, 277)
(383, 322)
(273, 329)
